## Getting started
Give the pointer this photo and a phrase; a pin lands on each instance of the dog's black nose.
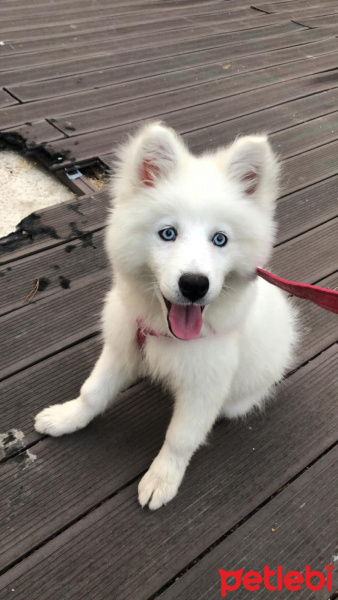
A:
(193, 286)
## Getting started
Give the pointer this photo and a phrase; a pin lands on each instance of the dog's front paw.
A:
(160, 484)
(64, 418)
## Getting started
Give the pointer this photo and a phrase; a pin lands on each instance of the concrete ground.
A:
(25, 187)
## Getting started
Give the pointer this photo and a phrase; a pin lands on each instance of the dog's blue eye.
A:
(219, 239)
(168, 234)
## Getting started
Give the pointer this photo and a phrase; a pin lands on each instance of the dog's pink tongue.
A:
(185, 321)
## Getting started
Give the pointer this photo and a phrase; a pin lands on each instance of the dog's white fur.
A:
(245, 344)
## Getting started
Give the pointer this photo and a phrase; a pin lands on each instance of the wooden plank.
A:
(32, 135)
(16, 6)
(85, 21)
(299, 171)
(287, 120)
(53, 226)
(102, 9)
(52, 380)
(115, 3)
(53, 269)
(303, 210)
(255, 100)
(308, 12)
(133, 101)
(101, 3)
(325, 21)
(244, 2)
(288, 142)
(11, 21)
(299, 5)
(54, 323)
(166, 540)
(40, 23)
(246, 114)
(305, 136)
(297, 528)
(310, 167)
(309, 256)
(271, 120)
(224, 20)
(94, 45)
(65, 33)
(135, 6)
(6, 99)
(178, 67)
(127, 23)
(91, 44)
(144, 63)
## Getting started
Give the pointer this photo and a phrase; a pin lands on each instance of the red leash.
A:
(325, 298)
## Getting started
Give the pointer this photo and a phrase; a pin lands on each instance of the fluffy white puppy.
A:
(185, 237)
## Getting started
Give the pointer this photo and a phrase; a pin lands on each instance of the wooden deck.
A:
(76, 77)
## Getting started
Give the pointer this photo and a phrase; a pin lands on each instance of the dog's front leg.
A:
(107, 379)
(116, 369)
(194, 416)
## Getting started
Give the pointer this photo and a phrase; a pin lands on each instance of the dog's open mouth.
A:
(184, 320)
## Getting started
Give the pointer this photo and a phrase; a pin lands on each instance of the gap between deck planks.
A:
(240, 18)
(12, 57)
(233, 19)
(307, 74)
(129, 64)
(184, 119)
(6, 99)
(98, 10)
(67, 17)
(118, 533)
(325, 21)
(193, 63)
(284, 6)
(300, 5)
(182, 29)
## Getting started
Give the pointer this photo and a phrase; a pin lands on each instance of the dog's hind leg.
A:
(107, 379)
(240, 408)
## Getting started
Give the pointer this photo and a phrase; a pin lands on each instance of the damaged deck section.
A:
(75, 79)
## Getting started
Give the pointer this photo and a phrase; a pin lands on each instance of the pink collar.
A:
(143, 331)
(323, 297)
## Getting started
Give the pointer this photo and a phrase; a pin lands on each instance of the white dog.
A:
(185, 237)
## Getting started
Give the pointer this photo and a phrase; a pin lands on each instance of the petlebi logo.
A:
(277, 580)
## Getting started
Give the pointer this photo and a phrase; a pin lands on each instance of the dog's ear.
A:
(158, 150)
(251, 162)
